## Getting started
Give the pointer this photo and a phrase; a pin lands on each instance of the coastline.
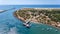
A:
(18, 17)
(21, 18)
(34, 22)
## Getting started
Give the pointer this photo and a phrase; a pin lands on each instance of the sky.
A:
(29, 2)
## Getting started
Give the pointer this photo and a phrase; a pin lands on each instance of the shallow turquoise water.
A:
(11, 25)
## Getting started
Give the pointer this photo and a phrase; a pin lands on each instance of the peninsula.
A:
(50, 16)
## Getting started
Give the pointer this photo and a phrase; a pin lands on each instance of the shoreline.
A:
(36, 22)
(22, 19)
(39, 8)
(18, 17)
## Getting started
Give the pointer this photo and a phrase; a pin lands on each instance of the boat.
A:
(26, 25)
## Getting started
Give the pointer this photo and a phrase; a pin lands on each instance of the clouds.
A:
(28, 2)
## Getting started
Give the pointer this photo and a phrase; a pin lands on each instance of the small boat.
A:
(26, 25)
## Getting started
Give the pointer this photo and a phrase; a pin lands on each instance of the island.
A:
(49, 16)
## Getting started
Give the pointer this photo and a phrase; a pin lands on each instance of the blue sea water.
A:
(9, 24)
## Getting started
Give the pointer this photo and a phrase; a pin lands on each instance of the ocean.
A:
(9, 24)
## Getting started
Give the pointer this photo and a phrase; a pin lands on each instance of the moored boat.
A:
(26, 25)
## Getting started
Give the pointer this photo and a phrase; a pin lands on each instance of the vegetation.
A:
(47, 16)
